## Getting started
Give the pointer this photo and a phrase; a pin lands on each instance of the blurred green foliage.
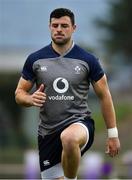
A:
(118, 27)
(123, 111)
(15, 155)
(11, 156)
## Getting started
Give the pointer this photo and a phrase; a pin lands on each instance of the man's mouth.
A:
(59, 35)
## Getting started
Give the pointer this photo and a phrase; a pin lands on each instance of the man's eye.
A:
(64, 25)
(55, 25)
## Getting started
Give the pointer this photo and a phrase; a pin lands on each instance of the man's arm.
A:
(102, 90)
(23, 97)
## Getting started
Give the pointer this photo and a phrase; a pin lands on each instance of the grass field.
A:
(14, 156)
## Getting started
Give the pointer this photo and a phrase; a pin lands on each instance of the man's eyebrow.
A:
(62, 24)
(58, 23)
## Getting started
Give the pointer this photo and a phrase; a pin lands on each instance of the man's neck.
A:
(62, 49)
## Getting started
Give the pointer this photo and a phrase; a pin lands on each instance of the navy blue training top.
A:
(67, 79)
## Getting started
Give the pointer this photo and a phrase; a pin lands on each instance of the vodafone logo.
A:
(60, 85)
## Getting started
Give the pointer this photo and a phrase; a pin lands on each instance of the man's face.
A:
(61, 30)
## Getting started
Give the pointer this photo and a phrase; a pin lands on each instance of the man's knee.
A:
(69, 141)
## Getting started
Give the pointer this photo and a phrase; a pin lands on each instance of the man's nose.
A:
(59, 28)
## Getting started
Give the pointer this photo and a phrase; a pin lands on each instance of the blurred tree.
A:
(89, 49)
(118, 25)
(11, 130)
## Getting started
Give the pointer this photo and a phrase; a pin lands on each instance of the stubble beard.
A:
(61, 42)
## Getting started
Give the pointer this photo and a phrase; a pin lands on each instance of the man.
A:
(63, 72)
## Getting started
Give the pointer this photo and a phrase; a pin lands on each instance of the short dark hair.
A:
(60, 12)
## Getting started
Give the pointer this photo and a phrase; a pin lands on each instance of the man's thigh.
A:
(83, 132)
(76, 133)
(50, 150)
(50, 147)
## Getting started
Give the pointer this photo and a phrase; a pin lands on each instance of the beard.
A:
(60, 42)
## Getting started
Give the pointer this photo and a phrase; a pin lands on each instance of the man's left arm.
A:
(102, 90)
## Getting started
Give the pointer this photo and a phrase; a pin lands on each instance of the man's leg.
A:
(73, 139)
(50, 149)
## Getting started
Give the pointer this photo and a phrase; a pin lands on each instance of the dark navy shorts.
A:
(50, 149)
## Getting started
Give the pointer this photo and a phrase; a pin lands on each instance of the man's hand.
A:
(112, 146)
(38, 98)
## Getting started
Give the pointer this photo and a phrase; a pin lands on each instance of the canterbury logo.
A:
(60, 85)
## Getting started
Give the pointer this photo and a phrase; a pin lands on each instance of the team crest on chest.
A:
(77, 69)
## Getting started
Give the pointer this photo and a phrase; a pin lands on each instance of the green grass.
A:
(11, 155)
(123, 110)
(15, 155)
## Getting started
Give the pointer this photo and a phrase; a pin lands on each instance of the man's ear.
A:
(74, 27)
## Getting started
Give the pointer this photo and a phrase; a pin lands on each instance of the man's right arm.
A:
(23, 97)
